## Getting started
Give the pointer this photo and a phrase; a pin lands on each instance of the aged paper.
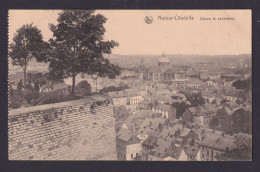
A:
(135, 85)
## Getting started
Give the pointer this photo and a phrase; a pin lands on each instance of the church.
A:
(162, 72)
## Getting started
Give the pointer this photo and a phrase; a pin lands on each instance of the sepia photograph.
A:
(130, 85)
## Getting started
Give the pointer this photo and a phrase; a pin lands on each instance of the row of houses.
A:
(154, 138)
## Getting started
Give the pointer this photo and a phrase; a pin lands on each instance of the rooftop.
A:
(151, 125)
(163, 107)
(125, 134)
(191, 150)
(244, 139)
(220, 143)
(203, 109)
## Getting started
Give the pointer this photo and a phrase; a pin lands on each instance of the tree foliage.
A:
(242, 84)
(113, 88)
(121, 113)
(195, 99)
(239, 121)
(78, 46)
(27, 44)
(242, 121)
(222, 121)
(15, 100)
(83, 88)
(180, 108)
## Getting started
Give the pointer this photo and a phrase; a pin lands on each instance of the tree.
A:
(222, 121)
(180, 108)
(113, 88)
(242, 121)
(83, 88)
(27, 44)
(196, 99)
(78, 46)
(242, 84)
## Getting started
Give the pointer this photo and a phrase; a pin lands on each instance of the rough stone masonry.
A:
(75, 130)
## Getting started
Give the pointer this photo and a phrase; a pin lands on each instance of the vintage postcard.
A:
(130, 85)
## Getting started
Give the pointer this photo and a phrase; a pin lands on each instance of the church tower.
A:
(141, 70)
(163, 62)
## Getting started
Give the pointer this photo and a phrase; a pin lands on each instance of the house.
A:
(142, 93)
(178, 84)
(167, 111)
(160, 72)
(192, 73)
(133, 149)
(146, 103)
(231, 95)
(131, 108)
(212, 76)
(163, 91)
(188, 114)
(244, 140)
(194, 83)
(234, 106)
(134, 100)
(161, 151)
(179, 155)
(168, 133)
(214, 145)
(127, 144)
(184, 132)
(134, 121)
(243, 151)
(200, 115)
(192, 151)
(201, 132)
(119, 101)
(230, 77)
(209, 95)
(179, 96)
(147, 146)
(152, 126)
(211, 84)
(230, 107)
(143, 113)
(180, 74)
(163, 98)
(143, 105)
(159, 86)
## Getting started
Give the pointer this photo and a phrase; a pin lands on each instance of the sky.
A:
(135, 36)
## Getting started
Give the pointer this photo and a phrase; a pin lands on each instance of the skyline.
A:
(135, 37)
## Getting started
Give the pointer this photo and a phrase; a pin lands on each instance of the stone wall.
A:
(76, 130)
